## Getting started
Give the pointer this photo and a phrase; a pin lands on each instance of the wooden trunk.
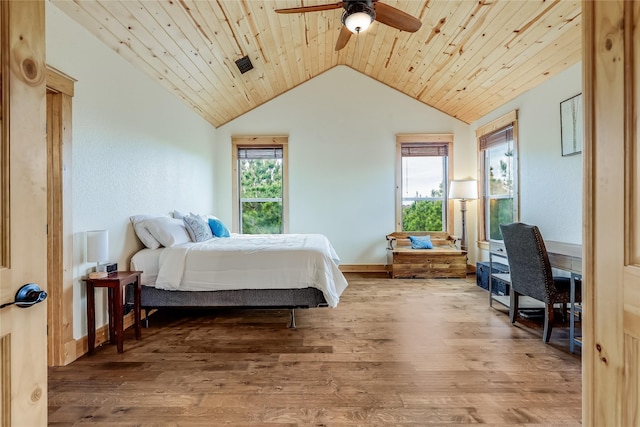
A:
(444, 260)
(407, 263)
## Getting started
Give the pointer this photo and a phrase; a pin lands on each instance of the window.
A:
(497, 143)
(259, 181)
(423, 175)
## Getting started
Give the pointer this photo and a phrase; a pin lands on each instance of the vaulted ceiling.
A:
(468, 57)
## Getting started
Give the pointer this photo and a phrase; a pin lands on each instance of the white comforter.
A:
(278, 261)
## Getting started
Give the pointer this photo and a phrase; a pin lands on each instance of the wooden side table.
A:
(116, 283)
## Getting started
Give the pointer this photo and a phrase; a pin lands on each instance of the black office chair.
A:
(531, 273)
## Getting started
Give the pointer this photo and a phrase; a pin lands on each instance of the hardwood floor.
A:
(394, 352)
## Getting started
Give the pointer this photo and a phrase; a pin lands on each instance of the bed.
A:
(284, 271)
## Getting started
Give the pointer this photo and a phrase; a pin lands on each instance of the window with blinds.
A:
(424, 172)
(260, 188)
(499, 161)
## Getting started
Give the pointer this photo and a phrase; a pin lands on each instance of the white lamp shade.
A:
(463, 189)
(358, 22)
(97, 246)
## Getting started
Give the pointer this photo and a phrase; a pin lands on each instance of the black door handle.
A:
(28, 295)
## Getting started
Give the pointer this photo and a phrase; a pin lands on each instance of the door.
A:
(611, 249)
(23, 191)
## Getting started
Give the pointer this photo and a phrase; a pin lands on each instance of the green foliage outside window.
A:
(261, 179)
(424, 215)
(261, 217)
(500, 212)
(500, 192)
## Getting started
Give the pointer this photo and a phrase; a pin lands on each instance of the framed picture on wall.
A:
(571, 132)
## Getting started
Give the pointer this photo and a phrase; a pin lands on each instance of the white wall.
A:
(136, 148)
(342, 130)
(550, 184)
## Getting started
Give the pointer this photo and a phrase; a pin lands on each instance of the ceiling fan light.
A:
(358, 22)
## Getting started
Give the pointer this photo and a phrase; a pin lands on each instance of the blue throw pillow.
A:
(421, 242)
(218, 228)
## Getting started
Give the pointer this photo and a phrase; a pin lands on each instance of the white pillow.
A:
(197, 227)
(178, 215)
(168, 231)
(143, 234)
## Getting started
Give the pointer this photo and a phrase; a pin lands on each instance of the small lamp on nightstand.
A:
(98, 251)
(463, 190)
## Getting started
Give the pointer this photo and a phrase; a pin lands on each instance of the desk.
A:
(573, 340)
(568, 257)
(116, 283)
(563, 256)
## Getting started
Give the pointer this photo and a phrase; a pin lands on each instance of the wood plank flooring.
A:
(394, 352)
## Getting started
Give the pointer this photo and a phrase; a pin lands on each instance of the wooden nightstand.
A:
(116, 282)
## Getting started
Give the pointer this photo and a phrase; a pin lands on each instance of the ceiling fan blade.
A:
(396, 18)
(343, 37)
(304, 9)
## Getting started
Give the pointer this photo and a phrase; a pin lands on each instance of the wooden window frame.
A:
(259, 141)
(509, 119)
(429, 138)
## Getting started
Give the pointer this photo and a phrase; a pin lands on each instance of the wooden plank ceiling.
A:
(468, 58)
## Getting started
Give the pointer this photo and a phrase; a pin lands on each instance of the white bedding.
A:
(266, 261)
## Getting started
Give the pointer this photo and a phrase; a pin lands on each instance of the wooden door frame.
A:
(61, 347)
(611, 324)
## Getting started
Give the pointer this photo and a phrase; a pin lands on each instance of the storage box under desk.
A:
(498, 286)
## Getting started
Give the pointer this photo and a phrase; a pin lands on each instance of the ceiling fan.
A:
(359, 14)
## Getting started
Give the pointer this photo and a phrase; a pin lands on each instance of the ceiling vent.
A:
(244, 64)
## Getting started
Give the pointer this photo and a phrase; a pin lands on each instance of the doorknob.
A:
(28, 295)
